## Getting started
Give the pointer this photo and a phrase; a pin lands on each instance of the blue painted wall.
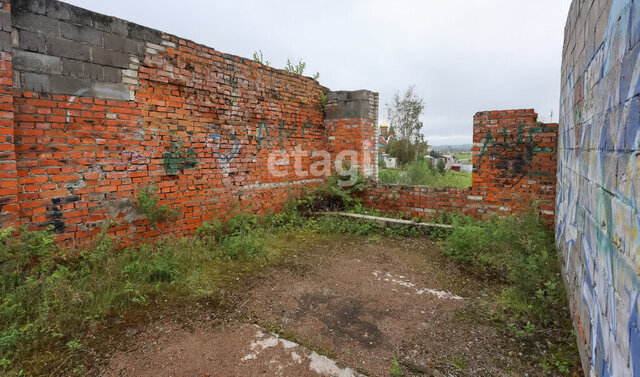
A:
(598, 223)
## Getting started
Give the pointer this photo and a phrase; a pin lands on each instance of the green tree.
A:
(441, 166)
(403, 114)
(405, 151)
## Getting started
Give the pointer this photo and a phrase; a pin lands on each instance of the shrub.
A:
(441, 167)
(393, 176)
(340, 225)
(334, 196)
(518, 251)
(148, 204)
(210, 233)
(150, 268)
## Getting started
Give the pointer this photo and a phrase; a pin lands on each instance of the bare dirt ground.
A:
(340, 308)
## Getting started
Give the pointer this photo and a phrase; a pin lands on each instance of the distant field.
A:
(417, 174)
(464, 156)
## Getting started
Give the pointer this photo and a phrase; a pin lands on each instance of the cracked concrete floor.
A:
(343, 308)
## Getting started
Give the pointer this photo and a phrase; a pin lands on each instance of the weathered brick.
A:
(72, 67)
(70, 85)
(5, 41)
(35, 82)
(110, 90)
(5, 21)
(144, 33)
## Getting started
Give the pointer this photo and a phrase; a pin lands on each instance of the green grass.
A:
(395, 370)
(420, 175)
(519, 255)
(464, 156)
(50, 296)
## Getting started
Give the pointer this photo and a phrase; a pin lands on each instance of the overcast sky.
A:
(463, 56)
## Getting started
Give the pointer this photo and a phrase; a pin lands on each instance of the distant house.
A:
(451, 162)
(389, 162)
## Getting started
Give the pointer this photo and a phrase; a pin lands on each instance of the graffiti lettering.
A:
(259, 135)
(282, 134)
(522, 142)
(263, 135)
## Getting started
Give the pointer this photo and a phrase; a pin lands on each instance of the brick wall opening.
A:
(514, 166)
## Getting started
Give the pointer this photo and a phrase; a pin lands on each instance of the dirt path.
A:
(342, 309)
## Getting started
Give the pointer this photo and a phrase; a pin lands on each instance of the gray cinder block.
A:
(111, 90)
(67, 49)
(81, 34)
(109, 57)
(35, 62)
(36, 22)
(35, 82)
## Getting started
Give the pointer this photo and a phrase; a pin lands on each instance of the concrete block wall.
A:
(61, 49)
(598, 223)
(514, 160)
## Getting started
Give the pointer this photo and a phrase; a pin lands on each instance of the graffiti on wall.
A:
(215, 141)
(178, 158)
(132, 158)
(598, 222)
(265, 136)
(223, 143)
(524, 143)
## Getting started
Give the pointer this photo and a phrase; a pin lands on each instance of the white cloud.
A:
(463, 56)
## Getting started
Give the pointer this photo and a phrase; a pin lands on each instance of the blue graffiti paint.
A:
(598, 216)
(216, 137)
(634, 333)
(264, 136)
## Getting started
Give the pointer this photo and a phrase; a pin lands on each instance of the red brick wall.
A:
(514, 160)
(9, 207)
(201, 128)
(354, 135)
(94, 113)
(351, 121)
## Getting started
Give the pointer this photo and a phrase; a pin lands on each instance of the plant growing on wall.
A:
(257, 57)
(323, 100)
(148, 204)
(299, 68)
